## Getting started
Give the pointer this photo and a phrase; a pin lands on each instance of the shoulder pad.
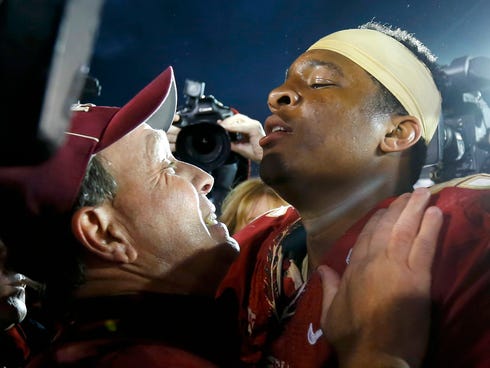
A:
(477, 181)
(276, 212)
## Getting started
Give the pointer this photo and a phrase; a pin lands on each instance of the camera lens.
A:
(206, 145)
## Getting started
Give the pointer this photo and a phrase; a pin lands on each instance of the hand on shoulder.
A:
(380, 308)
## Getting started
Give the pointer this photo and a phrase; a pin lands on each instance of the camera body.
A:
(206, 144)
(461, 144)
(202, 141)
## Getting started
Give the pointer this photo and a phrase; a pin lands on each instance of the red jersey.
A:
(147, 330)
(14, 350)
(279, 310)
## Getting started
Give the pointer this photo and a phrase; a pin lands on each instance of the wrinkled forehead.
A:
(143, 141)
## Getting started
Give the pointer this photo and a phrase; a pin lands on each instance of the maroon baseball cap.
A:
(53, 186)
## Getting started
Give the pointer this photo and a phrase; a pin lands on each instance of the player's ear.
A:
(97, 231)
(403, 132)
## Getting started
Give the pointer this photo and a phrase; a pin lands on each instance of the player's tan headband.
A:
(394, 66)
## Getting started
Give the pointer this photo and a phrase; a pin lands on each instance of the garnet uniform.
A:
(279, 313)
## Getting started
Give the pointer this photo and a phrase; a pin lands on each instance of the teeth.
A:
(278, 129)
(211, 219)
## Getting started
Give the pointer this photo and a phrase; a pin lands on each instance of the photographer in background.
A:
(460, 146)
(250, 129)
(246, 151)
(139, 269)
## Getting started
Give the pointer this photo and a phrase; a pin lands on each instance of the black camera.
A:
(206, 144)
(202, 141)
(461, 144)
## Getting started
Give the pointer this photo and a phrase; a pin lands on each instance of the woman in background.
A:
(248, 200)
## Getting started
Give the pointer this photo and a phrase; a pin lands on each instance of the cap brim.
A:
(155, 105)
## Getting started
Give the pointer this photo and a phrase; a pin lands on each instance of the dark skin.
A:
(374, 323)
(348, 155)
(345, 158)
(330, 153)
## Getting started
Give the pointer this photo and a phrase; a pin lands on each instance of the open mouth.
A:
(275, 124)
(211, 219)
(278, 129)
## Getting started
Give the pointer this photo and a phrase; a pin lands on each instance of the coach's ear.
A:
(96, 230)
(402, 133)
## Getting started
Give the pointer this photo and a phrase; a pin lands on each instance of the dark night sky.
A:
(242, 48)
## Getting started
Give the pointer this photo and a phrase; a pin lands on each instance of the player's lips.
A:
(275, 128)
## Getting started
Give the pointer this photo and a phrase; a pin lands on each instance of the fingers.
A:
(363, 240)
(9, 283)
(390, 263)
(240, 123)
(407, 225)
(423, 250)
(405, 229)
(251, 131)
(383, 232)
(234, 123)
(172, 134)
(376, 234)
(330, 285)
